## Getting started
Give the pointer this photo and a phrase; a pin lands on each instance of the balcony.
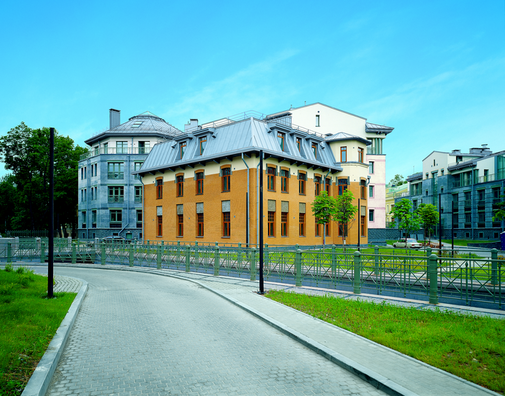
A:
(113, 150)
(115, 175)
(138, 199)
(116, 199)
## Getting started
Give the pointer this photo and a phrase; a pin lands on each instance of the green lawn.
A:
(470, 347)
(28, 322)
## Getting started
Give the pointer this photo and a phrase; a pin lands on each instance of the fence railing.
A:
(463, 278)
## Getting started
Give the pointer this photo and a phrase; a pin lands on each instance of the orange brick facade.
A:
(212, 199)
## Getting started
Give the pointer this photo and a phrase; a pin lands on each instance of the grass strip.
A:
(471, 347)
(28, 322)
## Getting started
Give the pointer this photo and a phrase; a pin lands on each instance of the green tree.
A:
(324, 210)
(25, 152)
(8, 203)
(398, 180)
(407, 220)
(346, 212)
(429, 216)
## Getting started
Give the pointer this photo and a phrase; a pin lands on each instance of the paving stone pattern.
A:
(142, 334)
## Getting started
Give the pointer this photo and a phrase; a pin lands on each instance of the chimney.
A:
(114, 117)
(193, 124)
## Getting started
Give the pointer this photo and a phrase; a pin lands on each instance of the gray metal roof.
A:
(246, 136)
(145, 124)
(347, 136)
(415, 176)
(381, 129)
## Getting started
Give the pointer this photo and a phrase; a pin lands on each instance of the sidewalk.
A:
(388, 370)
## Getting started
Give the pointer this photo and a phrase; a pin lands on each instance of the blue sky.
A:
(433, 70)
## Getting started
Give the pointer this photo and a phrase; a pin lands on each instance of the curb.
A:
(43, 374)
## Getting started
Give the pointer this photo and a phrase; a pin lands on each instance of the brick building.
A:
(203, 185)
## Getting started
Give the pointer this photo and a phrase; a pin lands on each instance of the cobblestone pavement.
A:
(141, 334)
(66, 284)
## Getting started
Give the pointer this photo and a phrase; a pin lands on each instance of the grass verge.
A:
(28, 322)
(468, 346)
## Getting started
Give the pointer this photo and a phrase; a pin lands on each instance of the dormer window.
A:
(182, 149)
(281, 140)
(202, 142)
(299, 144)
(314, 149)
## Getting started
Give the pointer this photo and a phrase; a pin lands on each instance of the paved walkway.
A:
(138, 333)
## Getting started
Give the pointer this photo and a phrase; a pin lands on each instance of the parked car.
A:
(114, 239)
(407, 242)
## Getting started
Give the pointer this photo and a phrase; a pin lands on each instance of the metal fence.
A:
(450, 278)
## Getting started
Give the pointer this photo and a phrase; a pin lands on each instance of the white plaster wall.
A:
(352, 150)
(378, 180)
(331, 120)
(441, 162)
(487, 163)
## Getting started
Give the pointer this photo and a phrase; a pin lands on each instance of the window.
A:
(202, 142)
(363, 223)
(115, 170)
(160, 225)
(116, 218)
(342, 186)
(182, 149)
(314, 149)
(284, 180)
(370, 191)
(180, 185)
(144, 147)
(159, 188)
(225, 179)
(116, 194)
(342, 230)
(362, 184)
(371, 214)
(271, 171)
(121, 147)
(284, 224)
(271, 224)
(139, 218)
(299, 144)
(92, 169)
(93, 219)
(106, 148)
(318, 229)
(370, 167)
(301, 224)
(138, 194)
(361, 157)
(226, 224)
(83, 225)
(327, 229)
(327, 185)
(302, 180)
(180, 225)
(317, 185)
(318, 119)
(343, 154)
(199, 183)
(136, 167)
(281, 140)
(199, 221)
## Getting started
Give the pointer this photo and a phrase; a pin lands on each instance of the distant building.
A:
(468, 185)
(110, 197)
(392, 193)
(203, 185)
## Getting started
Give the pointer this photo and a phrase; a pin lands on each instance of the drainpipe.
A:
(143, 211)
(257, 204)
(247, 202)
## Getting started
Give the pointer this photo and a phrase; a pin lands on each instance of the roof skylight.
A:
(137, 124)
